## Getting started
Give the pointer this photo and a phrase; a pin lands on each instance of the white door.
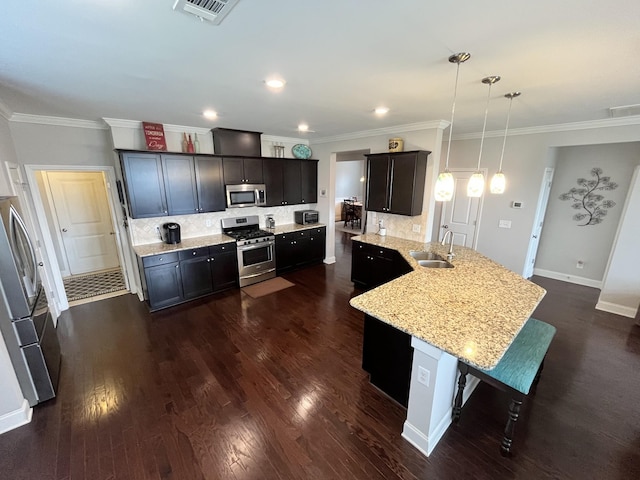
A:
(86, 228)
(541, 209)
(460, 215)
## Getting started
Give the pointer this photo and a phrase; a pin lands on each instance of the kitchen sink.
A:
(422, 255)
(435, 264)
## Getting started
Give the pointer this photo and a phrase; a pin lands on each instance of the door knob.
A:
(535, 236)
(445, 226)
(64, 229)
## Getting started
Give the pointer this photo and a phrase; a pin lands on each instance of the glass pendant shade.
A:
(444, 187)
(475, 185)
(498, 183)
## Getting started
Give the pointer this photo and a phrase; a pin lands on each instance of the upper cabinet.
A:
(290, 181)
(164, 184)
(242, 170)
(395, 182)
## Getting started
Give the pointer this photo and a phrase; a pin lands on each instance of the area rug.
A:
(78, 287)
(268, 286)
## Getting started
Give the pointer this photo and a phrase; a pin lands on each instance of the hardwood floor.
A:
(231, 387)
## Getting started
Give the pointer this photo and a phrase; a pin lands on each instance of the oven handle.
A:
(244, 248)
(258, 274)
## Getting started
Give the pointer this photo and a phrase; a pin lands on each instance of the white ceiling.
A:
(141, 60)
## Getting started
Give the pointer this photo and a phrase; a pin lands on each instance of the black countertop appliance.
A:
(171, 232)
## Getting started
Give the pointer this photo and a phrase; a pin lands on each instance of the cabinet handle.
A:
(193, 253)
(177, 265)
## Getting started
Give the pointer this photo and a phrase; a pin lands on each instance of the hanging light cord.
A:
(453, 110)
(484, 127)
(506, 129)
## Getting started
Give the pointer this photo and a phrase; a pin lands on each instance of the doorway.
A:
(78, 219)
(351, 169)
(462, 213)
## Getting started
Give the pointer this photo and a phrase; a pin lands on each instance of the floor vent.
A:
(213, 11)
(624, 111)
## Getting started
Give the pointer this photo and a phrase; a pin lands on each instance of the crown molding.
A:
(136, 124)
(276, 138)
(561, 127)
(57, 121)
(410, 127)
(5, 111)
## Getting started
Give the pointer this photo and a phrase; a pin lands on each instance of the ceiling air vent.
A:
(213, 11)
(624, 111)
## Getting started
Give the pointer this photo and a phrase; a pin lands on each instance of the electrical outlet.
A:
(416, 228)
(580, 264)
(207, 222)
(504, 224)
(424, 376)
(381, 223)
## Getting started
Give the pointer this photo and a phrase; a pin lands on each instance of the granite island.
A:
(470, 312)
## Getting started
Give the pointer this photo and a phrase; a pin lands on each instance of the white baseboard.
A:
(617, 309)
(17, 418)
(330, 260)
(587, 282)
(425, 444)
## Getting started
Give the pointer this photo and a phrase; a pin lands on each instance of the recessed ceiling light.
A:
(210, 114)
(381, 110)
(275, 83)
(303, 127)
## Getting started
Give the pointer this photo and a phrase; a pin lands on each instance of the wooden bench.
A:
(518, 370)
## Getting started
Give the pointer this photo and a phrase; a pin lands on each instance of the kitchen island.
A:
(471, 312)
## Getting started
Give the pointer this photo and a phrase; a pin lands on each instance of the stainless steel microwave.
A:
(305, 217)
(246, 195)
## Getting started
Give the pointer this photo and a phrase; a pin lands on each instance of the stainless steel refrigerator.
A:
(25, 320)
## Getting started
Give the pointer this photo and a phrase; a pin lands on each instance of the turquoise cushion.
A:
(520, 363)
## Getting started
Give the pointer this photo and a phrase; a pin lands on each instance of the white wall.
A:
(7, 154)
(348, 182)
(527, 154)
(564, 242)
(621, 289)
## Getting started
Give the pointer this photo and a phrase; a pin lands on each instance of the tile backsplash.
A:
(145, 230)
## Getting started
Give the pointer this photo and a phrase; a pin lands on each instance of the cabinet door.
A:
(302, 248)
(377, 183)
(253, 170)
(144, 184)
(317, 244)
(180, 184)
(285, 253)
(224, 266)
(273, 178)
(210, 184)
(404, 184)
(164, 285)
(309, 182)
(233, 169)
(360, 263)
(292, 182)
(196, 273)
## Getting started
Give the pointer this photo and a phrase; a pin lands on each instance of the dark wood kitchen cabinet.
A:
(162, 280)
(172, 278)
(395, 182)
(387, 355)
(290, 181)
(144, 184)
(372, 265)
(163, 184)
(242, 170)
(300, 248)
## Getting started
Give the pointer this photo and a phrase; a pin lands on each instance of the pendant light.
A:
(445, 184)
(476, 182)
(499, 182)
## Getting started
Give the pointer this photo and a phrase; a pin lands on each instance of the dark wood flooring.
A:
(231, 387)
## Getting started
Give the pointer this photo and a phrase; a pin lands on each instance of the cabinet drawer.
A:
(222, 248)
(193, 253)
(160, 259)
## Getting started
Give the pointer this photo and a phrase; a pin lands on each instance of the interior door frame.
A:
(541, 210)
(116, 218)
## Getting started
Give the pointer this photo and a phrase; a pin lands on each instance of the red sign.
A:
(154, 136)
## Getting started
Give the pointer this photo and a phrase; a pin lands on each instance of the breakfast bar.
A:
(471, 312)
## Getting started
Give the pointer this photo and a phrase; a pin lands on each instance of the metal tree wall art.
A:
(587, 198)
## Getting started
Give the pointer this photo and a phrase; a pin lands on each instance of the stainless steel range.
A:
(256, 249)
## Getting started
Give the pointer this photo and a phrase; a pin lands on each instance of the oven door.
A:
(256, 260)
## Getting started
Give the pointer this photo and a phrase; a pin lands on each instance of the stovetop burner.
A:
(247, 234)
(245, 230)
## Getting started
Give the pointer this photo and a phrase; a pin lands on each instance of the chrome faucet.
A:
(450, 253)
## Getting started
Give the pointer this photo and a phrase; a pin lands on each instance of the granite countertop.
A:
(472, 311)
(207, 240)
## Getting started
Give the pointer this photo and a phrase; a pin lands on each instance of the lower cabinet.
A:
(300, 248)
(173, 278)
(387, 355)
(372, 265)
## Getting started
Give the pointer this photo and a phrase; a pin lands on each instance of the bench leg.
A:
(514, 412)
(462, 381)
